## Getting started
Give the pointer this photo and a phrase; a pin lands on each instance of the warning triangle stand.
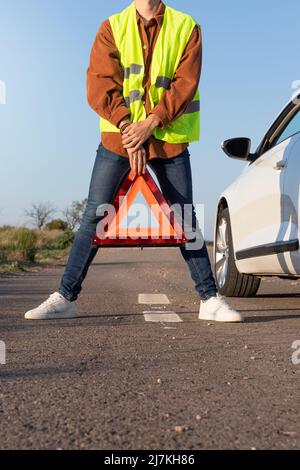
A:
(168, 233)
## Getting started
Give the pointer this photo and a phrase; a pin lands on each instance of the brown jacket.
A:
(105, 82)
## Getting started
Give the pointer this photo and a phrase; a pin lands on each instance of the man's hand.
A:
(137, 133)
(138, 160)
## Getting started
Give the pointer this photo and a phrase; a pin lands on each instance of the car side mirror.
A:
(238, 148)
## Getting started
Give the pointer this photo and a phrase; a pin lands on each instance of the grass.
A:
(23, 248)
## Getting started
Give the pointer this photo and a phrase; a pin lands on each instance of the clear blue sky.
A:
(48, 133)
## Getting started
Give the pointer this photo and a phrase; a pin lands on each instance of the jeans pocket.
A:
(109, 155)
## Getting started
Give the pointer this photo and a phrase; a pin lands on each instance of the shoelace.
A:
(51, 300)
(223, 299)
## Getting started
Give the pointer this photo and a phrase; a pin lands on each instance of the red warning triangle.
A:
(169, 231)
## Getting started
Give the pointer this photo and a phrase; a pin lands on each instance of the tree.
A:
(73, 214)
(40, 213)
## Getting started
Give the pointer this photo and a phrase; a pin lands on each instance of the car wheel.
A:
(230, 282)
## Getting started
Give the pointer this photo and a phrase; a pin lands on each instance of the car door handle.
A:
(280, 165)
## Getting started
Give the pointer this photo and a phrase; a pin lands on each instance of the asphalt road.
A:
(112, 380)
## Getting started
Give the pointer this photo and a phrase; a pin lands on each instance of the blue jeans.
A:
(175, 179)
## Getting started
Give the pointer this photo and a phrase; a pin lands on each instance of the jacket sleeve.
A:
(185, 83)
(105, 78)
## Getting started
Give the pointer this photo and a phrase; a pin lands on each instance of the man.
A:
(142, 80)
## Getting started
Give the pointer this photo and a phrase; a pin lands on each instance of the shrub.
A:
(24, 244)
(63, 241)
(19, 246)
(6, 228)
(57, 224)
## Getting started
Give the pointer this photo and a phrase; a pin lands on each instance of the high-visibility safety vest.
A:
(173, 38)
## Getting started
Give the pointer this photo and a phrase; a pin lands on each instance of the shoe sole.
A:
(215, 318)
(240, 320)
(62, 316)
(206, 317)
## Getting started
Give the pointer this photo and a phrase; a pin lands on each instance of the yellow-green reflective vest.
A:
(171, 43)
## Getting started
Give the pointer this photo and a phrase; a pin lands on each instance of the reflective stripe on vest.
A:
(135, 95)
(163, 82)
(133, 69)
(172, 40)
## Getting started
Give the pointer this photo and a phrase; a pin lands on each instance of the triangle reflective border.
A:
(168, 233)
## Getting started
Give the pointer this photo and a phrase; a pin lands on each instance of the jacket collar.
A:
(158, 16)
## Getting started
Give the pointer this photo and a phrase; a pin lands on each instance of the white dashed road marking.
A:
(153, 299)
(156, 314)
(162, 317)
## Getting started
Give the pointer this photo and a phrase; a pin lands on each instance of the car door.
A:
(290, 261)
(258, 212)
(265, 235)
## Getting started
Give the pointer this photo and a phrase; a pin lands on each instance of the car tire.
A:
(230, 282)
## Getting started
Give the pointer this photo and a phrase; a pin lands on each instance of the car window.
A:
(292, 128)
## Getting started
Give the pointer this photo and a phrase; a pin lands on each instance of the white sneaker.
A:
(217, 309)
(54, 308)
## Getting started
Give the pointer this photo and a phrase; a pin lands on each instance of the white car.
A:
(257, 223)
